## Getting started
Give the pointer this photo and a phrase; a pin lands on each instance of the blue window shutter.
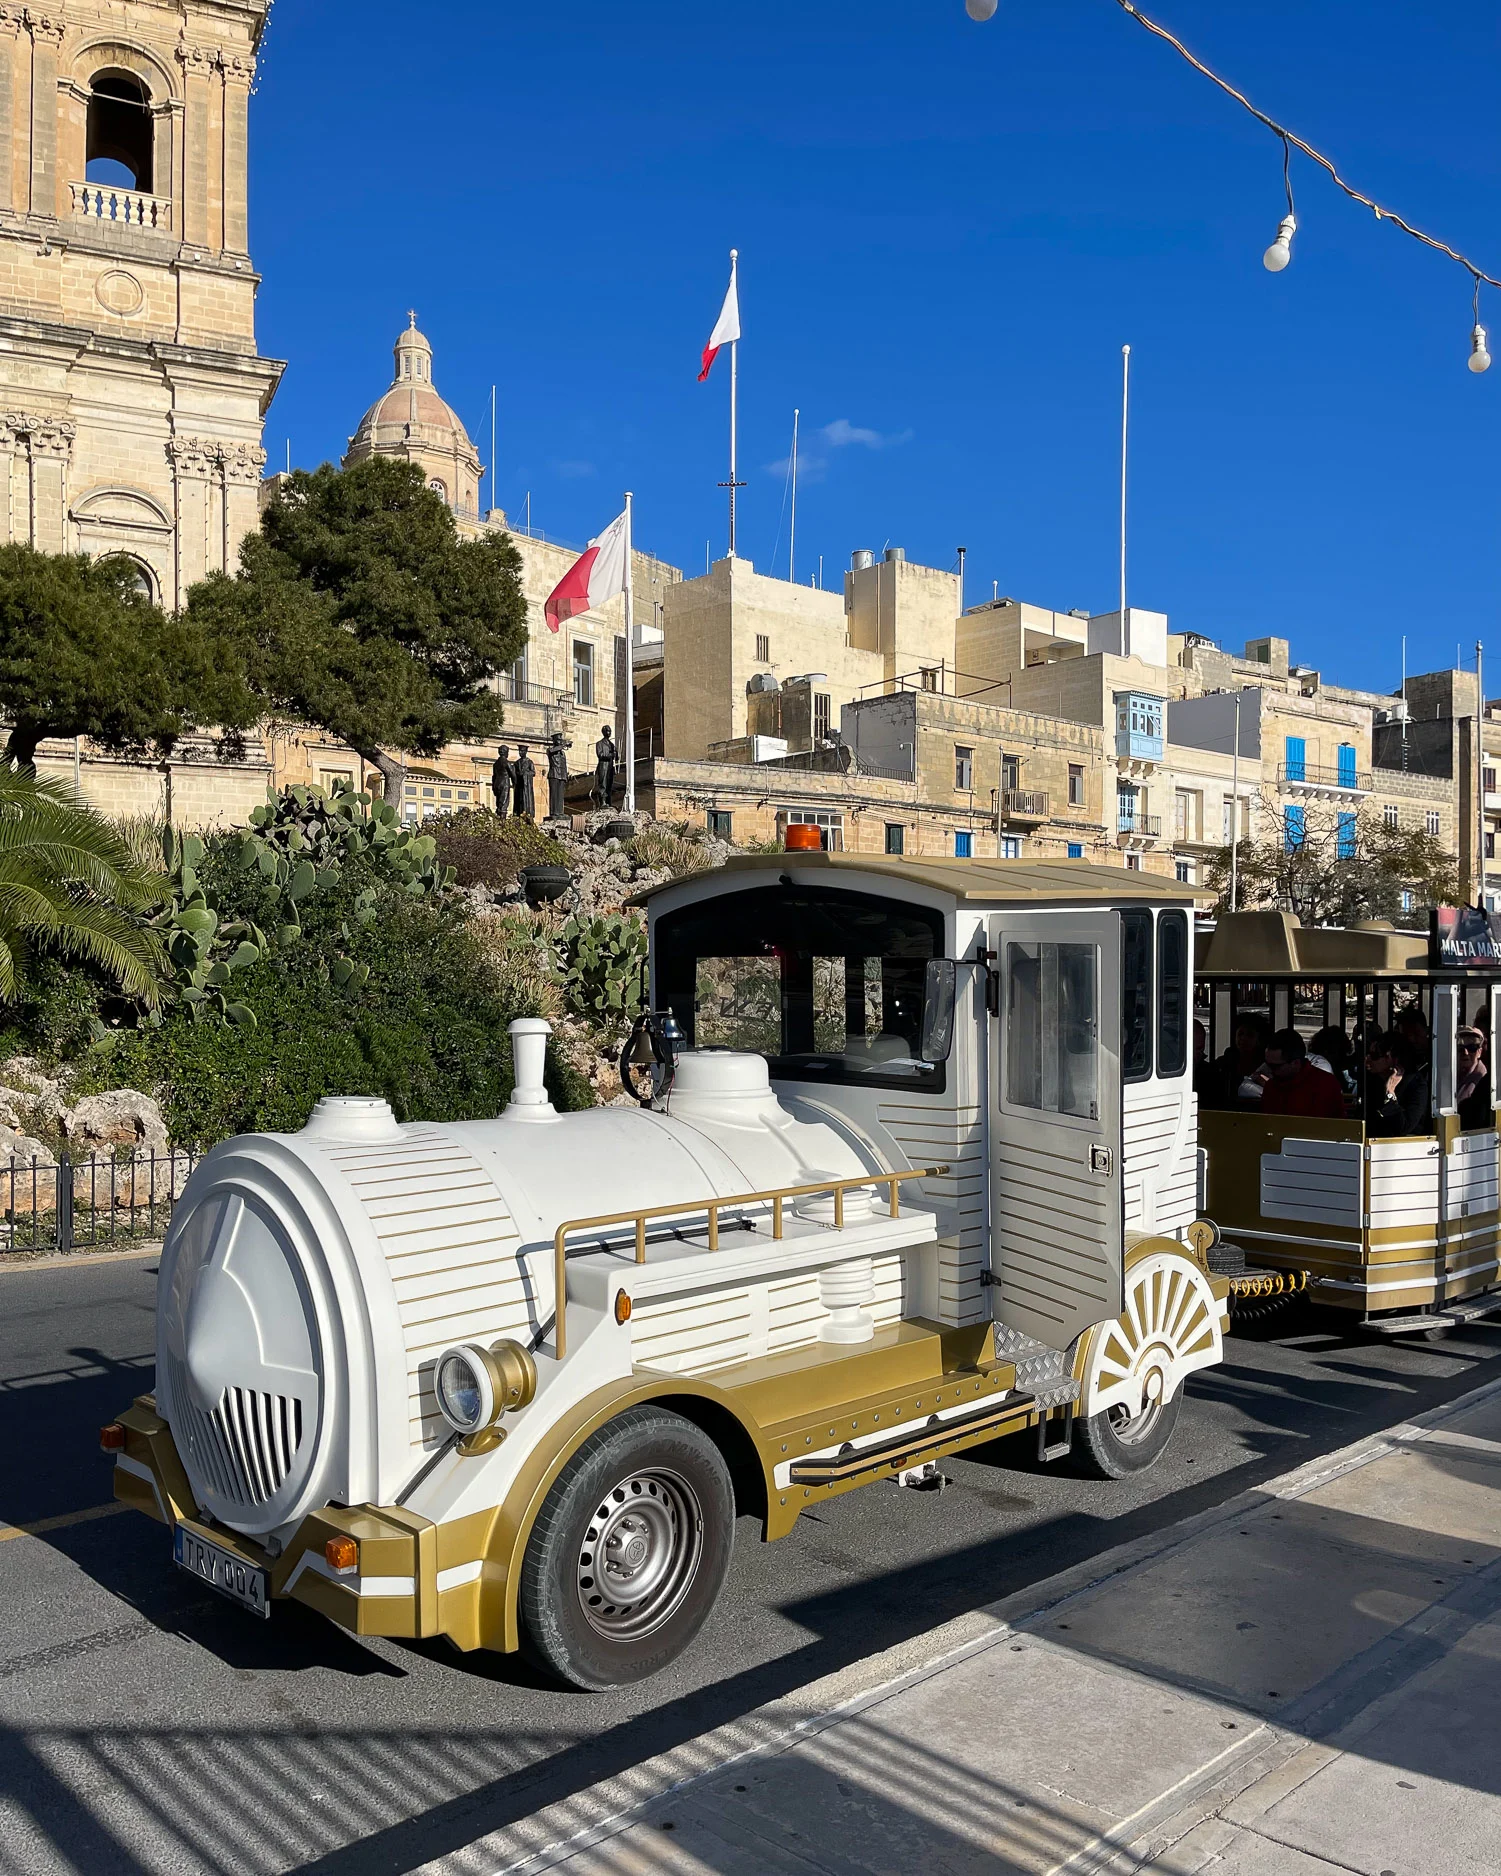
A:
(1347, 765)
(1292, 824)
(963, 846)
(1076, 849)
(1344, 844)
(1294, 759)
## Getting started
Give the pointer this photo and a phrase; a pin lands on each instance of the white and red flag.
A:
(597, 575)
(726, 327)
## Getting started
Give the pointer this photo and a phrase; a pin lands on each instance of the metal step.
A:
(1446, 1316)
(1474, 1308)
(1044, 1373)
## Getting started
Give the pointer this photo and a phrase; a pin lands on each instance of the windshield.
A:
(828, 986)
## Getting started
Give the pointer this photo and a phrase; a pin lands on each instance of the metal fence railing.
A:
(70, 1204)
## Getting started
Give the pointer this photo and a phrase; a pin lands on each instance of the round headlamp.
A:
(466, 1392)
(475, 1386)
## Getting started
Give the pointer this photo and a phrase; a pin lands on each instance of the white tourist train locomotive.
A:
(916, 1167)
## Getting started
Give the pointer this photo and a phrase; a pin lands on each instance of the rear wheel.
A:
(1131, 1384)
(1115, 1443)
(629, 1552)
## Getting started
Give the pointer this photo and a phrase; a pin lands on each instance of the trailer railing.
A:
(776, 1197)
(67, 1204)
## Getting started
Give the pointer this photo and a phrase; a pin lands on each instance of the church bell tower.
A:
(132, 396)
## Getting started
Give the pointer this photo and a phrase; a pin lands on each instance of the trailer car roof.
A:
(985, 882)
(1256, 945)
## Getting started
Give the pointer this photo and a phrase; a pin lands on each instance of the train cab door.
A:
(1056, 1190)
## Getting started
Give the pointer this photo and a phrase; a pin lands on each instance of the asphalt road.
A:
(145, 1725)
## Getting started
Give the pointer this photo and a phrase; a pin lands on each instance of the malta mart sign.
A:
(1465, 937)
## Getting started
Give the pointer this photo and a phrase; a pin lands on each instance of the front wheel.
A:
(629, 1551)
(1115, 1443)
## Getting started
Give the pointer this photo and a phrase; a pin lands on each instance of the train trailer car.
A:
(914, 1167)
(1388, 1211)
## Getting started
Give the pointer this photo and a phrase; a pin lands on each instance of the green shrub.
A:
(427, 1029)
(674, 847)
(485, 850)
(600, 960)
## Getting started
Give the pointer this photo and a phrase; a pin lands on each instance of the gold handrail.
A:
(713, 1207)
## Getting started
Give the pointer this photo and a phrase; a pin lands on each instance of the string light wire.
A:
(1291, 141)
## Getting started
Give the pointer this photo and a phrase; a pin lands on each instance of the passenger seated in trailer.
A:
(1206, 1073)
(1378, 1068)
(1330, 1048)
(1412, 1024)
(1294, 1085)
(1239, 1069)
(1473, 1091)
(1405, 1103)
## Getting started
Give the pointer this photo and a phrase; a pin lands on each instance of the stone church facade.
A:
(132, 395)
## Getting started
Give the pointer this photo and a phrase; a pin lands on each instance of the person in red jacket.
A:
(1294, 1085)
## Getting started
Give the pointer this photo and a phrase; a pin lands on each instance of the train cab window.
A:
(1136, 995)
(1172, 994)
(1052, 1028)
(829, 986)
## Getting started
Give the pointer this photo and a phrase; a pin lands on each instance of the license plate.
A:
(242, 1582)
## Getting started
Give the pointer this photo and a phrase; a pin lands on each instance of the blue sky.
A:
(946, 231)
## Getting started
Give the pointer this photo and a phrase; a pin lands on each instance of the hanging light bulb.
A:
(1480, 358)
(981, 9)
(1281, 251)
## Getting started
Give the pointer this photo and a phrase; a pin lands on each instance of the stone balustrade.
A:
(124, 208)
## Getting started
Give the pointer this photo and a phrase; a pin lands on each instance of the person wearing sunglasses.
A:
(1473, 1090)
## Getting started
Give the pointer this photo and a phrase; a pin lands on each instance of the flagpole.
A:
(1125, 413)
(734, 397)
(792, 536)
(630, 669)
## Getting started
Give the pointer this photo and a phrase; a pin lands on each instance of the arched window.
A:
(141, 577)
(439, 489)
(119, 131)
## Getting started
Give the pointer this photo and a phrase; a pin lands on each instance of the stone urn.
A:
(542, 884)
(622, 827)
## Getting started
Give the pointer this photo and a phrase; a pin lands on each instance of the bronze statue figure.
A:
(606, 758)
(500, 781)
(523, 773)
(557, 779)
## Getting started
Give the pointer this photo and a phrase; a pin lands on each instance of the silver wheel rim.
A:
(1131, 1431)
(640, 1554)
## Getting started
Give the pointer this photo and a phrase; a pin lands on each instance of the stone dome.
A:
(411, 405)
(412, 421)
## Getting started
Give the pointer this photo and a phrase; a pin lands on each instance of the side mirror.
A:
(937, 1010)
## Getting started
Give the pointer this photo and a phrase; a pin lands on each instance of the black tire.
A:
(656, 1489)
(1106, 1448)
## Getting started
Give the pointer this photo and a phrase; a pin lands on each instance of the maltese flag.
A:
(726, 327)
(596, 576)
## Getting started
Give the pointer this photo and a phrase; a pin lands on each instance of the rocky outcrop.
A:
(122, 1117)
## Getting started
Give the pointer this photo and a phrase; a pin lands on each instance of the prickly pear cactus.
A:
(601, 960)
(297, 842)
(305, 828)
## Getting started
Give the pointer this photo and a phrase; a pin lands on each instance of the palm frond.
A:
(71, 882)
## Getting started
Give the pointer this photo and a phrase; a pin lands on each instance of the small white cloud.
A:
(572, 470)
(841, 433)
(809, 468)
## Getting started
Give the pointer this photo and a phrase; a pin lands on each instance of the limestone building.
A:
(133, 393)
(747, 656)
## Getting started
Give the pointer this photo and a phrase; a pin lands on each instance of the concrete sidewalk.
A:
(1306, 1680)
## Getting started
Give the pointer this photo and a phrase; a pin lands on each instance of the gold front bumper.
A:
(393, 1591)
